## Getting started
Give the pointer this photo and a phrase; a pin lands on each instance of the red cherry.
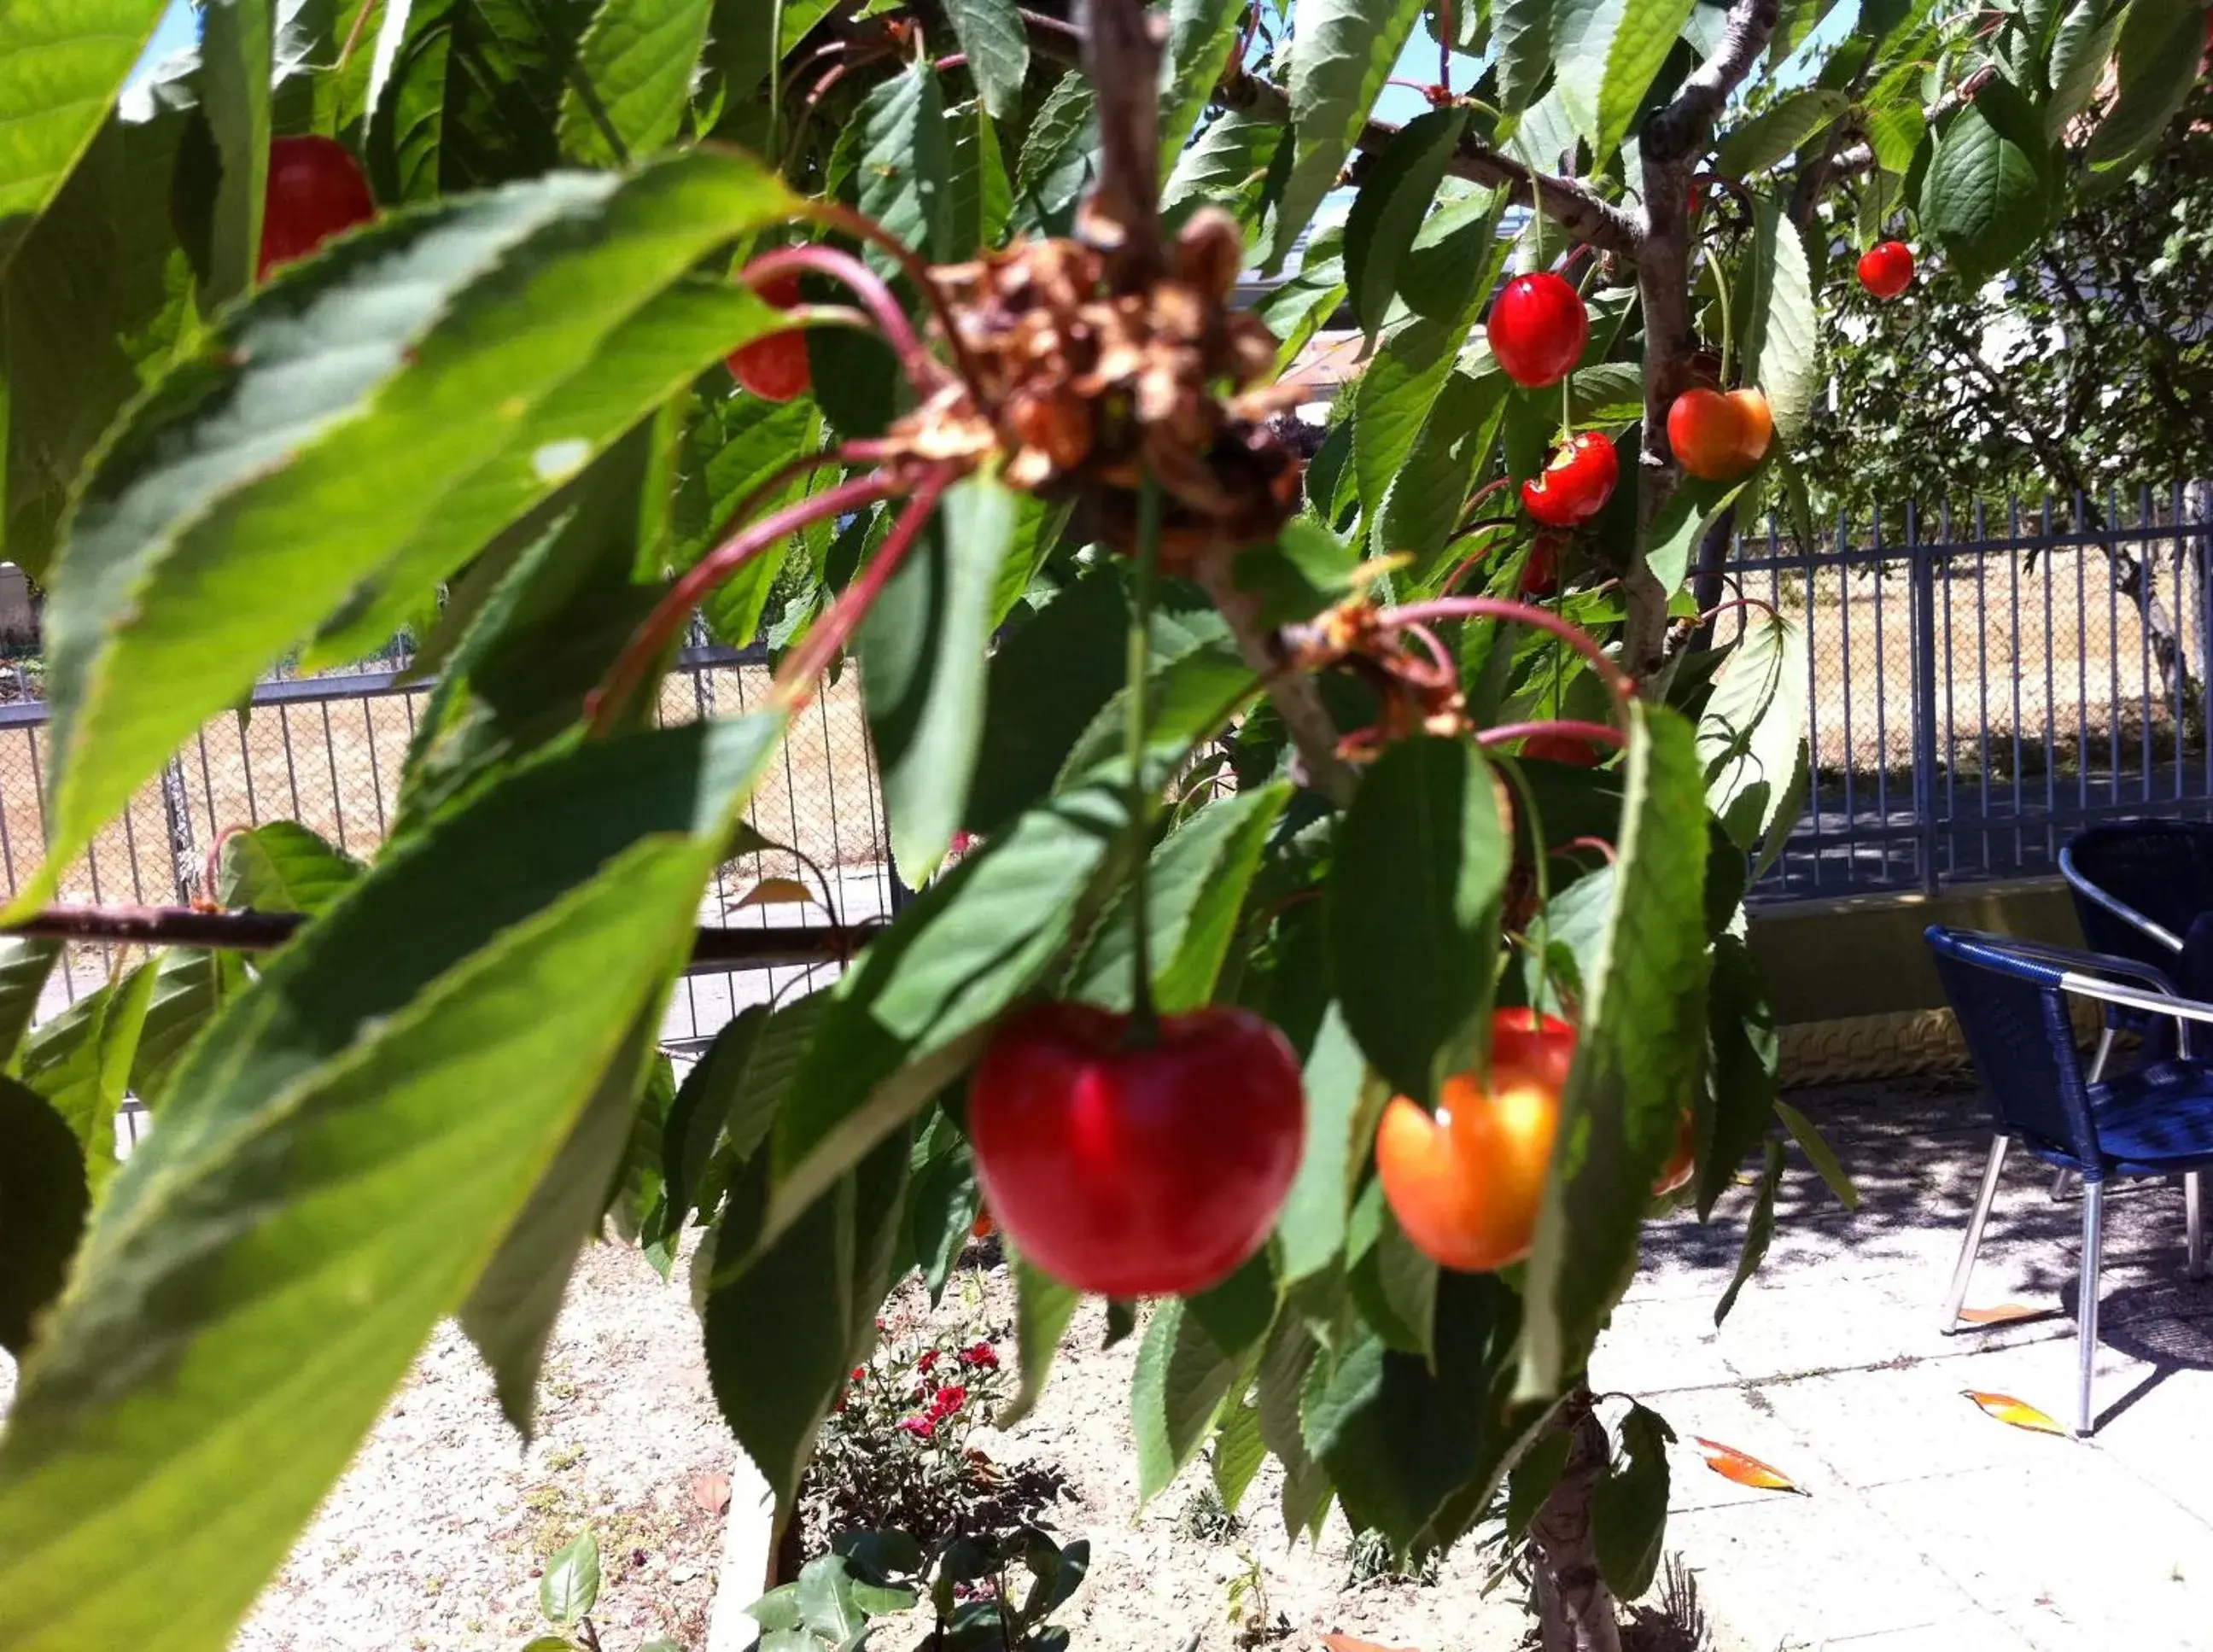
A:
(1538, 329)
(315, 190)
(1576, 485)
(1137, 1169)
(1541, 572)
(1525, 1044)
(1887, 268)
(775, 368)
(1716, 438)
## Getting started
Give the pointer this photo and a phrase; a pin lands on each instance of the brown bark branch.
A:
(1297, 699)
(1860, 157)
(1576, 1608)
(252, 932)
(1672, 140)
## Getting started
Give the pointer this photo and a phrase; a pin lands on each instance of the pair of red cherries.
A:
(1538, 329)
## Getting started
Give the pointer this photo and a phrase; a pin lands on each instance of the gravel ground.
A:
(433, 1539)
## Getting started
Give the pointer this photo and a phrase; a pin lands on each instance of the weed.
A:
(1205, 1517)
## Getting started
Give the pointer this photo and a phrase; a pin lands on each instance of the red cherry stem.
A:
(1721, 608)
(1573, 844)
(649, 641)
(793, 684)
(1603, 734)
(1541, 868)
(922, 369)
(1496, 607)
(859, 225)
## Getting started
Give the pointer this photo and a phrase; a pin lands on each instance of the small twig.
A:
(859, 225)
(1292, 693)
(1601, 733)
(1600, 845)
(1495, 607)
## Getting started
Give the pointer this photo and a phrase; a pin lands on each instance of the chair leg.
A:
(2061, 1180)
(2086, 1317)
(1974, 1239)
(2193, 1221)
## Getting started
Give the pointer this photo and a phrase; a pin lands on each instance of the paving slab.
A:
(1924, 1523)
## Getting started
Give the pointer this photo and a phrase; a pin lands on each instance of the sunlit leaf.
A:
(990, 33)
(1201, 33)
(631, 79)
(2155, 61)
(1344, 52)
(1390, 208)
(2016, 1413)
(1734, 1465)
(571, 1585)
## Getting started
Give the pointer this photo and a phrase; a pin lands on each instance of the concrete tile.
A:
(1973, 1632)
(2076, 1560)
(1659, 1346)
(1870, 1427)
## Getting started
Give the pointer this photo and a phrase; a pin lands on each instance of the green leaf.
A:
(1412, 906)
(941, 1202)
(632, 77)
(1684, 517)
(93, 304)
(571, 1585)
(1985, 194)
(189, 988)
(818, 1280)
(1055, 164)
(1779, 130)
(1342, 1108)
(923, 651)
(1192, 695)
(43, 1202)
(283, 867)
(236, 47)
(1393, 402)
(24, 967)
(1181, 1381)
(1759, 1230)
(982, 204)
(1629, 1510)
(1043, 1307)
(1280, 1389)
(914, 1009)
(1738, 1101)
(650, 356)
(1399, 1433)
(343, 1150)
(1521, 34)
(1751, 732)
(81, 1061)
(383, 375)
(992, 33)
(1778, 335)
(1394, 1284)
(1608, 53)
(1236, 1313)
(2155, 63)
(1201, 36)
(1390, 208)
(510, 1310)
(1197, 885)
(1344, 52)
(1239, 1451)
(1819, 1154)
(1427, 497)
(1228, 166)
(730, 454)
(2080, 49)
(1533, 1478)
(1638, 1057)
(61, 62)
(905, 168)
(1045, 683)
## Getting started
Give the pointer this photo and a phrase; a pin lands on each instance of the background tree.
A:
(548, 402)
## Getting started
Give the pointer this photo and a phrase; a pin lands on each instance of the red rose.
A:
(920, 1427)
(983, 1355)
(928, 1358)
(949, 1399)
(860, 1372)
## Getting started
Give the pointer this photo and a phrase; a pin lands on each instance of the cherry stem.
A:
(1721, 297)
(1468, 563)
(1598, 845)
(775, 78)
(868, 286)
(646, 644)
(793, 684)
(834, 215)
(1601, 733)
(1144, 1019)
(1721, 608)
(1540, 866)
(1496, 607)
(1444, 45)
(1429, 640)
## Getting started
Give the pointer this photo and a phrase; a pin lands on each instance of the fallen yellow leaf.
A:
(2018, 1412)
(1733, 1465)
(1354, 1643)
(2003, 1313)
(774, 892)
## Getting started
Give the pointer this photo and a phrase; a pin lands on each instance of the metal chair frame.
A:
(2085, 974)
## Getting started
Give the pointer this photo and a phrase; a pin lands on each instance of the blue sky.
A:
(179, 26)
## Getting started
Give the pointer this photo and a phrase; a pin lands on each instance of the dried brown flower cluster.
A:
(1416, 695)
(1085, 388)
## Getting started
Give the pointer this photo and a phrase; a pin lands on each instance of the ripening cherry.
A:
(1718, 437)
(315, 189)
(1570, 749)
(1136, 1167)
(1887, 268)
(1576, 485)
(1465, 1182)
(1538, 329)
(1682, 1161)
(1541, 569)
(775, 368)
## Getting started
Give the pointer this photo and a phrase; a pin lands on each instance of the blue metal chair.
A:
(2010, 998)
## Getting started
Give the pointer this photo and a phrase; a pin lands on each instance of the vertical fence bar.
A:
(1921, 580)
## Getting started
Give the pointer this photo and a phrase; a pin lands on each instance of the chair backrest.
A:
(2014, 1016)
(2161, 870)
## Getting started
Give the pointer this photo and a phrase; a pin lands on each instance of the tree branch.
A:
(1297, 699)
(252, 932)
(1672, 140)
(1860, 157)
